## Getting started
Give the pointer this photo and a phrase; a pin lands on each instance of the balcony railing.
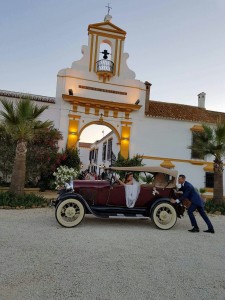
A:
(105, 65)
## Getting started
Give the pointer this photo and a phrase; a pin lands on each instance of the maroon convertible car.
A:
(107, 198)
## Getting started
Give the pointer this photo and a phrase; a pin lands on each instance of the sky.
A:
(177, 45)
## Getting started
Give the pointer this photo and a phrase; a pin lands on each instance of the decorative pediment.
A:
(106, 27)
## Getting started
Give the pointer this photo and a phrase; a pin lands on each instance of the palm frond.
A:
(42, 125)
(21, 118)
(211, 141)
(220, 133)
(9, 114)
(37, 111)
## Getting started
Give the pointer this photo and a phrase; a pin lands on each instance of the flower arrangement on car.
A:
(64, 177)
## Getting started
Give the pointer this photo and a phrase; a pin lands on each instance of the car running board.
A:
(118, 212)
(122, 216)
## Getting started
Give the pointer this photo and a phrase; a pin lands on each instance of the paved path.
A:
(108, 259)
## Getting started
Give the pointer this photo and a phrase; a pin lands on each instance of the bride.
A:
(132, 189)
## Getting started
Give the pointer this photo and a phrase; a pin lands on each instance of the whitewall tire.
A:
(164, 215)
(70, 212)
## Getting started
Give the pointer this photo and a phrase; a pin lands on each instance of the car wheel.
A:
(70, 212)
(164, 215)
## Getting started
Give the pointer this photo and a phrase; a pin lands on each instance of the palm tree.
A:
(21, 122)
(211, 142)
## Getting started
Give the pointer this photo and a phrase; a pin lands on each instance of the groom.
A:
(191, 194)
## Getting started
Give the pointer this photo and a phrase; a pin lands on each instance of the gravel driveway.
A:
(108, 259)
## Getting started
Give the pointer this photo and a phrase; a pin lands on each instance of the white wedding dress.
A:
(132, 192)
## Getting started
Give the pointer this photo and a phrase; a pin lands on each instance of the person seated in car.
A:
(128, 179)
(132, 189)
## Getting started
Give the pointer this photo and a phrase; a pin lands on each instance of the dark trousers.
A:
(202, 213)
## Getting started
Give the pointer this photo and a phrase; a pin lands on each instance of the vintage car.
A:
(106, 198)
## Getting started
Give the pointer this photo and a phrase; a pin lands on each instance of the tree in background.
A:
(71, 158)
(135, 161)
(211, 142)
(68, 157)
(7, 154)
(20, 120)
(43, 157)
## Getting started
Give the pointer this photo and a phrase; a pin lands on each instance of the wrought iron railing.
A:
(105, 65)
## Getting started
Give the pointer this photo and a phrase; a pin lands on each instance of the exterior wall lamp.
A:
(70, 92)
(137, 102)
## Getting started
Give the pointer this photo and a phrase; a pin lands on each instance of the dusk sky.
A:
(177, 45)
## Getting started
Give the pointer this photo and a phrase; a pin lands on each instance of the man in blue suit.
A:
(192, 195)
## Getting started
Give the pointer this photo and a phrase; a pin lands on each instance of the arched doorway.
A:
(93, 133)
(99, 148)
(98, 122)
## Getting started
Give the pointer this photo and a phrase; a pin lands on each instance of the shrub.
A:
(71, 159)
(43, 158)
(7, 154)
(202, 190)
(212, 207)
(26, 201)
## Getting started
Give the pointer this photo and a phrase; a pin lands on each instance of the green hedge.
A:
(25, 201)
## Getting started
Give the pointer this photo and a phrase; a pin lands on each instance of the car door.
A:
(117, 196)
(95, 192)
(145, 196)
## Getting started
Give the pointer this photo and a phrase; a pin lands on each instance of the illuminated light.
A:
(73, 132)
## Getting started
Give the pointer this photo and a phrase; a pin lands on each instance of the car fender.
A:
(179, 208)
(156, 202)
(66, 196)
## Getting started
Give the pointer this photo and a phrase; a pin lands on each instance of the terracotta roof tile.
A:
(175, 111)
(40, 98)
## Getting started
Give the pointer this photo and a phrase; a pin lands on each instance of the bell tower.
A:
(100, 88)
(106, 42)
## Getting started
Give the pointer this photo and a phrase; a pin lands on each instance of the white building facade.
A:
(100, 89)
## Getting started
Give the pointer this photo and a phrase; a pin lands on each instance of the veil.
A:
(132, 192)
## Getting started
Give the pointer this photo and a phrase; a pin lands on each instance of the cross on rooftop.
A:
(108, 8)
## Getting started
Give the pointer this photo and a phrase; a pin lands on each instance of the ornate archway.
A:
(99, 123)
(112, 114)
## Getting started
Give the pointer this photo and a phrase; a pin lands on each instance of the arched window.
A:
(105, 62)
(105, 50)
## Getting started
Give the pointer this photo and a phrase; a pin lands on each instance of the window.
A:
(91, 155)
(104, 152)
(109, 151)
(105, 50)
(195, 154)
(209, 180)
(96, 156)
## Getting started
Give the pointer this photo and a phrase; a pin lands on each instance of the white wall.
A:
(84, 157)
